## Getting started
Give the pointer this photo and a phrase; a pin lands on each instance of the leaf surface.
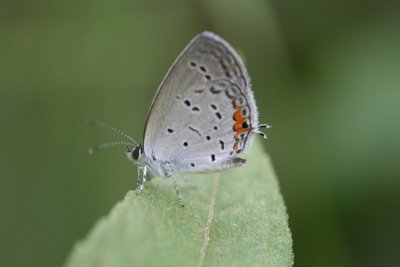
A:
(231, 218)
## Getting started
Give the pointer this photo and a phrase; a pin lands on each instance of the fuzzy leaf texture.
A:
(231, 218)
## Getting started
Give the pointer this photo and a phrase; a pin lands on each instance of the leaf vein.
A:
(211, 212)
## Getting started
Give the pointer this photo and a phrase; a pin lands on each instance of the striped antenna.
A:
(94, 149)
(104, 125)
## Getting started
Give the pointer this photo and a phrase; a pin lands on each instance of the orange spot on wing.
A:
(240, 119)
(237, 116)
(238, 126)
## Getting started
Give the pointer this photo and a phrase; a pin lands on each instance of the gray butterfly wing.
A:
(204, 111)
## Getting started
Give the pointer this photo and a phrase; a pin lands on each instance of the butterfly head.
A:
(134, 153)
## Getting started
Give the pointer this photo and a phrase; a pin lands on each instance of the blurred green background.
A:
(326, 75)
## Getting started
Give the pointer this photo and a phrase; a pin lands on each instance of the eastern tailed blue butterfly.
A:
(202, 116)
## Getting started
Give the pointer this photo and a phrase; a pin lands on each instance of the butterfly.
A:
(202, 117)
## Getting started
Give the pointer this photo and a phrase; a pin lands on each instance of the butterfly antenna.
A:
(94, 149)
(104, 125)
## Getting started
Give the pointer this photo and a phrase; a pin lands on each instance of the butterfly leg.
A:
(142, 173)
(177, 190)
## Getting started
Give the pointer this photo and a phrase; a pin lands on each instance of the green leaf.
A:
(231, 218)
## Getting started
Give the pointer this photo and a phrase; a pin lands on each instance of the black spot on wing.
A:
(222, 144)
(191, 128)
(212, 157)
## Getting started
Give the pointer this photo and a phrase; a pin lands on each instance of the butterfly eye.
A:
(136, 152)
